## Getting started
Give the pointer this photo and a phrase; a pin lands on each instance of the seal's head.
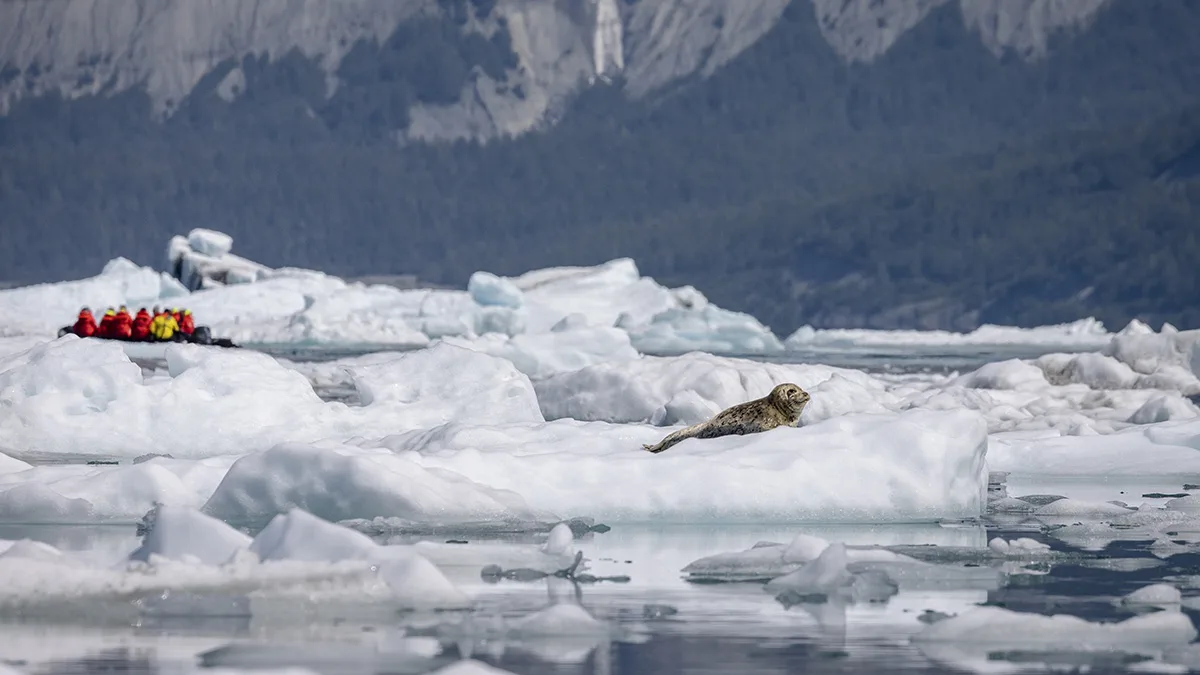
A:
(789, 399)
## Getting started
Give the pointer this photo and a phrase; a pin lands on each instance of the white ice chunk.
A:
(1016, 546)
(210, 242)
(446, 383)
(1079, 507)
(487, 289)
(29, 549)
(1163, 408)
(1151, 353)
(470, 667)
(560, 542)
(9, 464)
(1158, 595)
(298, 535)
(996, 625)
(636, 390)
(44, 308)
(1084, 333)
(181, 533)
(882, 468)
(560, 620)
(338, 483)
(219, 402)
(711, 329)
(1156, 449)
(1012, 374)
(827, 574)
(540, 355)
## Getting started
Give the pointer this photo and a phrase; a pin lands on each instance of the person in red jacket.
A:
(85, 325)
(108, 325)
(141, 325)
(124, 324)
(187, 325)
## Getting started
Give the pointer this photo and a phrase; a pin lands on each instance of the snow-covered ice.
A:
(1085, 333)
(42, 309)
(257, 305)
(186, 551)
(220, 402)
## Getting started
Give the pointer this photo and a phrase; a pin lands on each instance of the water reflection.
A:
(657, 623)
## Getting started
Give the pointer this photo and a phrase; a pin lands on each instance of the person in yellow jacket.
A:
(163, 327)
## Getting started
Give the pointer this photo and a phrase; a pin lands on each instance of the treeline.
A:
(937, 187)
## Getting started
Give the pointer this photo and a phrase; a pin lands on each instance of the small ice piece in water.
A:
(1156, 595)
(560, 542)
(470, 667)
(825, 575)
(420, 583)
(986, 627)
(1016, 546)
(563, 619)
(1078, 507)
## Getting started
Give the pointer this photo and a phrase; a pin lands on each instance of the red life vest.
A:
(124, 325)
(85, 325)
(141, 325)
(108, 326)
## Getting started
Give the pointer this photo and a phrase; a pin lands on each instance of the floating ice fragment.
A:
(562, 619)
(560, 542)
(470, 667)
(1078, 507)
(997, 625)
(1016, 546)
(177, 533)
(1158, 595)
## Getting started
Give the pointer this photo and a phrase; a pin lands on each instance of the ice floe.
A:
(1085, 333)
(969, 640)
(1163, 448)
(257, 305)
(185, 552)
(690, 388)
(915, 465)
(218, 402)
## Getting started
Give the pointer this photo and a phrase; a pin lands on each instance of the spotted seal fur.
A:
(781, 407)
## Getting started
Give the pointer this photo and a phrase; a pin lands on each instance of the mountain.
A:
(895, 163)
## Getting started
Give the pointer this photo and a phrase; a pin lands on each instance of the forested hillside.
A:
(938, 186)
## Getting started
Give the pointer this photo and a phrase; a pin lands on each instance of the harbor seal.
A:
(781, 407)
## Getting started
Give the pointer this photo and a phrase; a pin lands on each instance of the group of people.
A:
(163, 325)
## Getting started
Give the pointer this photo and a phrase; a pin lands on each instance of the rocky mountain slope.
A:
(883, 163)
(168, 47)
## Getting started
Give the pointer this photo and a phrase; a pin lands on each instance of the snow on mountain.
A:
(862, 30)
(82, 47)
